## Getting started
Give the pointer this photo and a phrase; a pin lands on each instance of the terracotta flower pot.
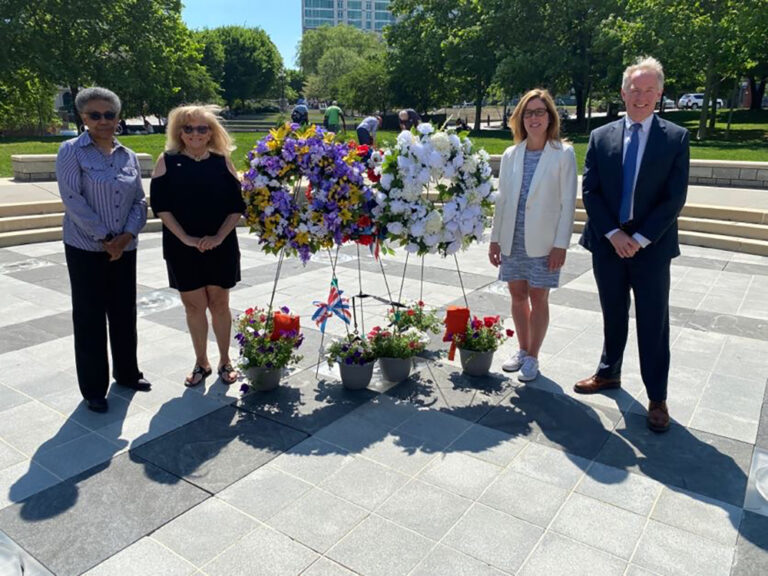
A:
(476, 363)
(356, 376)
(395, 369)
(263, 379)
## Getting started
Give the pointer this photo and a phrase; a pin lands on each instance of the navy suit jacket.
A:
(660, 190)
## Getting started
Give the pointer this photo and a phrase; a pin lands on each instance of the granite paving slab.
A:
(378, 547)
(472, 536)
(703, 463)
(668, 550)
(554, 419)
(556, 555)
(218, 449)
(71, 526)
(205, 531)
(263, 552)
(751, 556)
(144, 557)
(304, 403)
(443, 560)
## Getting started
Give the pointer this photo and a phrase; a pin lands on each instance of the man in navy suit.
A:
(634, 186)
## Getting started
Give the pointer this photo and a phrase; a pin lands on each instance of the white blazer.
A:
(551, 199)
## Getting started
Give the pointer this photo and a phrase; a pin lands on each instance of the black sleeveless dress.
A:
(200, 195)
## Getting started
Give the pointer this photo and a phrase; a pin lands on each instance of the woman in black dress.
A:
(195, 191)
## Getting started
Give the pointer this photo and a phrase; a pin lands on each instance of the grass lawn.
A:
(748, 140)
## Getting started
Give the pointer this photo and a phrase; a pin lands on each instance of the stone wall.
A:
(711, 173)
(42, 167)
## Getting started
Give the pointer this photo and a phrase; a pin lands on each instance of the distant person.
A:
(461, 125)
(148, 127)
(195, 191)
(408, 118)
(533, 222)
(366, 130)
(634, 187)
(300, 114)
(334, 114)
(104, 211)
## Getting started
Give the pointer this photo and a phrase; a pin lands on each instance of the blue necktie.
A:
(629, 169)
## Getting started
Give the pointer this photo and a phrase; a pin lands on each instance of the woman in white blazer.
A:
(533, 222)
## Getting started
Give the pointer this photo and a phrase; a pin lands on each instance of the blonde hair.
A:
(220, 142)
(645, 63)
(517, 125)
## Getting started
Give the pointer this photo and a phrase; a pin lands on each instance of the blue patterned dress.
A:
(518, 265)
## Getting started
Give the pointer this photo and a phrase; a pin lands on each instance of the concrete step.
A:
(51, 233)
(710, 240)
(31, 208)
(30, 222)
(709, 225)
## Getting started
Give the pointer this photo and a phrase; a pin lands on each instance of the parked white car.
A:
(694, 101)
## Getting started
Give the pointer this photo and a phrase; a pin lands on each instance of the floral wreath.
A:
(336, 206)
(461, 179)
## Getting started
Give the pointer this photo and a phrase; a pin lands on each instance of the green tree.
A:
(328, 54)
(26, 103)
(139, 48)
(251, 62)
(365, 89)
(415, 60)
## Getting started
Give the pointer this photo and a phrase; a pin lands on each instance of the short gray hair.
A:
(96, 93)
(645, 63)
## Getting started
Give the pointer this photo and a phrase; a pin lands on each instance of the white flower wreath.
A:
(435, 194)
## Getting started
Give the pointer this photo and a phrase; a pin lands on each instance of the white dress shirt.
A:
(642, 133)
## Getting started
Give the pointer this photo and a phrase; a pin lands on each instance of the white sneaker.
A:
(529, 370)
(514, 362)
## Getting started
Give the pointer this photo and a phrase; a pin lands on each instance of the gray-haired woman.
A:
(105, 208)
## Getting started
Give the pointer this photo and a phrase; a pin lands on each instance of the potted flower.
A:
(355, 357)
(395, 350)
(479, 342)
(416, 316)
(268, 344)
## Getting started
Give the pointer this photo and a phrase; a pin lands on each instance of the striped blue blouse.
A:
(102, 194)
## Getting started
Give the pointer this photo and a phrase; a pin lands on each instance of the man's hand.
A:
(556, 259)
(494, 254)
(624, 244)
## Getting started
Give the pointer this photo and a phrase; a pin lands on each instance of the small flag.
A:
(335, 306)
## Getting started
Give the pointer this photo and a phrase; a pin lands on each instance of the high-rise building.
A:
(368, 15)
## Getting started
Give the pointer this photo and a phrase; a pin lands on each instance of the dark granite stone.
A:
(444, 387)
(751, 557)
(697, 461)
(220, 448)
(304, 403)
(81, 522)
(555, 420)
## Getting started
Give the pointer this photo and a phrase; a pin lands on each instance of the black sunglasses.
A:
(200, 129)
(96, 116)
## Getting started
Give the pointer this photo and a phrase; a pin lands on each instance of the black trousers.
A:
(648, 277)
(101, 291)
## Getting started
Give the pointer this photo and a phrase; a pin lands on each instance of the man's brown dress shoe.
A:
(658, 416)
(596, 383)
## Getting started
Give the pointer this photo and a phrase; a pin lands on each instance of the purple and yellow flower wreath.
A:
(335, 206)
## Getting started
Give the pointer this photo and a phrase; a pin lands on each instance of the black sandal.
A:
(225, 371)
(191, 381)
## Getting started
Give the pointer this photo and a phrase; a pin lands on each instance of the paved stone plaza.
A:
(440, 475)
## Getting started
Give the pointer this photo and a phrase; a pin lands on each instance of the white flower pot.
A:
(263, 379)
(356, 376)
(395, 369)
(476, 363)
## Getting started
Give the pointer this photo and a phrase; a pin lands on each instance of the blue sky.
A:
(281, 19)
